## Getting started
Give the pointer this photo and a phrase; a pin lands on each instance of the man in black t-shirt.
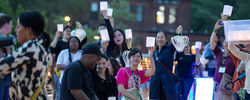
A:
(77, 80)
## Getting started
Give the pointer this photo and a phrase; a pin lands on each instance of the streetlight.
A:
(96, 37)
(67, 19)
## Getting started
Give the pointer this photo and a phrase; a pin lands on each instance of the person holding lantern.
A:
(185, 70)
(224, 66)
(117, 43)
(162, 85)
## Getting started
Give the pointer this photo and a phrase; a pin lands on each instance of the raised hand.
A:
(224, 17)
(104, 13)
(58, 33)
(79, 25)
(179, 29)
(217, 25)
(151, 51)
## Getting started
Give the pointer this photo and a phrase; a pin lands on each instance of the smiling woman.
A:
(130, 78)
(104, 83)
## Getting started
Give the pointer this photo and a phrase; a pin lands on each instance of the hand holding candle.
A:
(128, 33)
(104, 35)
(150, 41)
(227, 10)
(103, 5)
(60, 27)
(110, 12)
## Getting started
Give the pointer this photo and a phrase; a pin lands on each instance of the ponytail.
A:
(46, 40)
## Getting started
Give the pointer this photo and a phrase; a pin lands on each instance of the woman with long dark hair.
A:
(208, 54)
(30, 62)
(104, 83)
(113, 66)
(117, 43)
(69, 55)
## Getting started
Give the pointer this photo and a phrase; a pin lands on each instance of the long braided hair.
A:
(79, 47)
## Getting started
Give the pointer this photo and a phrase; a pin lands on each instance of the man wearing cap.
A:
(77, 80)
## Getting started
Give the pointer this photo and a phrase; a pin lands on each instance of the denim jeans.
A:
(57, 87)
(4, 87)
(236, 96)
(184, 87)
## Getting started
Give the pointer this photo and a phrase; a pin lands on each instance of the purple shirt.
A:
(229, 64)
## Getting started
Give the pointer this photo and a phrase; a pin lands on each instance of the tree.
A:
(6, 8)
(204, 14)
(120, 10)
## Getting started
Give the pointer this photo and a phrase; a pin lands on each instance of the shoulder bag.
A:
(133, 91)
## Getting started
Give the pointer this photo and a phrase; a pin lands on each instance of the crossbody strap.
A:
(34, 96)
(163, 65)
(126, 71)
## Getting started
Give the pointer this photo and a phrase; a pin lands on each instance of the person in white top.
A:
(245, 57)
(67, 56)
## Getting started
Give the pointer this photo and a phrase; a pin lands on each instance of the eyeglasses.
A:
(138, 57)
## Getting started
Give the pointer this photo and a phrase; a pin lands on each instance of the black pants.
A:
(247, 96)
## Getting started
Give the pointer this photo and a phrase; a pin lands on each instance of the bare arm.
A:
(79, 94)
(216, 27)
(197, 58)
(151, 70)
(54, 42)
(124, 92)
(213, 36)
(61, 67)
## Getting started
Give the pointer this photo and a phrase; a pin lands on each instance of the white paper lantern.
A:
(180, 42)
(150, 41)
(109, 12)
(128, 33)
(227, 10)
(104, 35)
(198, 44)
(237, 31)
(103, 5)
(80, 33)
(60, 27)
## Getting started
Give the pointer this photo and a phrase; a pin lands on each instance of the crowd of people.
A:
(105, 70)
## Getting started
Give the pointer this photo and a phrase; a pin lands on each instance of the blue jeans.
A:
(4, 87)
(57, 87)
(236, 96)
(184, 87)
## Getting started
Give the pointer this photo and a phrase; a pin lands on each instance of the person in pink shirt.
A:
(135, 77)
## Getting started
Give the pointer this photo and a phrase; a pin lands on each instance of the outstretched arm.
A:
(151, 70)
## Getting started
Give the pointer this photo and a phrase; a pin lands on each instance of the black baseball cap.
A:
(92, 49)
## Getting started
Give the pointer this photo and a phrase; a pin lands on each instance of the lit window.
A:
(139, 15)
(160, 15)
(172, 15)
(94, 11)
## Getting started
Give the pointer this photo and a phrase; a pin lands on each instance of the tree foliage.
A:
(205, 13)
(120, 10)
